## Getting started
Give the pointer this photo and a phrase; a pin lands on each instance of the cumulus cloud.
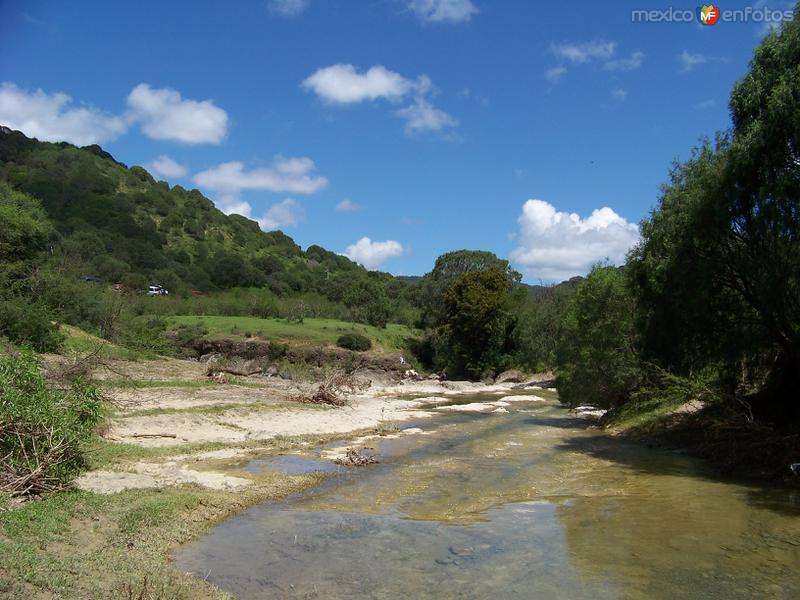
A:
(165, 115)
(284, 175)
(51, 117)
(373, 254)
(689, 61)
(164, 166)
(343, 84)
(421, 115)
(584, 52)
(634, 61)
(556, 245)
(287, 213)
(443, 11)
(347, 205)
(288, 8)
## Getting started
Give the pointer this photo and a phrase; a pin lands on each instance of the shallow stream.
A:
(534, 503)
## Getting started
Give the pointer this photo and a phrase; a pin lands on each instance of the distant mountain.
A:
(119, 224)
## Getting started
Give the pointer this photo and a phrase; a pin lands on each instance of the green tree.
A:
(597, 356)
(476, 323)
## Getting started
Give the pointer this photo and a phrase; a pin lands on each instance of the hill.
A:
(124, 226)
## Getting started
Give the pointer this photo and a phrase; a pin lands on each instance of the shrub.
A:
(144, 335)
(25, 323)
(44, 430)
(354, 341)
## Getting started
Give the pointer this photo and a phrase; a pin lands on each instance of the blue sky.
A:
(433, 121)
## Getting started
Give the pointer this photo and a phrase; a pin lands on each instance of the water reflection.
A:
(532, 504)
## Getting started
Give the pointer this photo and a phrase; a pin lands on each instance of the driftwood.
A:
(332, 390)
(354, 458)
(153, 435)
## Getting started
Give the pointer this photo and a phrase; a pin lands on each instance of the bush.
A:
(25, 323)
(44, 430)
(144, 335)
(354, 341)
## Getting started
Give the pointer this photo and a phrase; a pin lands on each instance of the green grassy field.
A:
(80, 342)
(313, 331)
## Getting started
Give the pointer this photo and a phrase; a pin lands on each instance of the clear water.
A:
(529, 504)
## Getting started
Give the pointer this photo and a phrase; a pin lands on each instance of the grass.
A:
(156, 383)
(313, 331)
(76, 545)
(642, 417)
(80, 342)
(222, 408)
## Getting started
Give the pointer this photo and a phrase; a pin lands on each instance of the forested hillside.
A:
(123, 226)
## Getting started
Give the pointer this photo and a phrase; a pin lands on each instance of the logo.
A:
(708, 14)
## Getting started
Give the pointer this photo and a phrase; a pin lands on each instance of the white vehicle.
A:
(157, 290)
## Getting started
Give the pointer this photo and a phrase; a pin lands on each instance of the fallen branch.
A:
(153, 435)
(332, 390)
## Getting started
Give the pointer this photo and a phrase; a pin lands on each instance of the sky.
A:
(390, 131)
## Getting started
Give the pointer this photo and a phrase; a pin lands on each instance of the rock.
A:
(511, 376)
(271, 371)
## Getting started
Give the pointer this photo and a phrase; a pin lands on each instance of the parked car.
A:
(118, 287)
(157, 290)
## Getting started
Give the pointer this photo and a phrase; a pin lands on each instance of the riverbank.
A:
(171, 464)
(726, 439)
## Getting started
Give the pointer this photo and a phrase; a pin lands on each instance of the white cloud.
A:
(555, 73)
(284, 175)
(689, 61)
(342, 84)
(165, 115)
(288, 8)
(557, 245)
(373, 254)
(439, 11)
(164, 166)
(584, 52)
(423, 116)
(347, 205)
(705, 104)
(634, 61)
(619, 93)
(50, 117)
(287, 213)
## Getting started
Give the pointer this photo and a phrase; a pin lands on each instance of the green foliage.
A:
(354, 341)
(120, 225)
(449, 268)
(597, 355)
(44, 430)
(25, 230)
(24, 323)
(539, 324)
(144, 335)
(476, 323)
(717, 275)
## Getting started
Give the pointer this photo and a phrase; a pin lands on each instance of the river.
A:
(534, 503)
